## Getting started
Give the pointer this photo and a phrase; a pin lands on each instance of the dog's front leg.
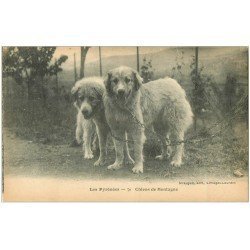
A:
(127, 158)
(102, 133)
(139, 139)
(87, 137)
(118, 138)
(79, 128)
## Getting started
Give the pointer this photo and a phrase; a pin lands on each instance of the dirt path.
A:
(26, 158)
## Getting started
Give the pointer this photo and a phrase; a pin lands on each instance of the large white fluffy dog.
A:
(89, 100)
(160, 104)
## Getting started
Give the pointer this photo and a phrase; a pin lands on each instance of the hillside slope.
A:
(218, 61)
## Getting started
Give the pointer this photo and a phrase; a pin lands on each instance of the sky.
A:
(93, 53)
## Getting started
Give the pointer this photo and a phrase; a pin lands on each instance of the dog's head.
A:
(122, 82)
(88, 94)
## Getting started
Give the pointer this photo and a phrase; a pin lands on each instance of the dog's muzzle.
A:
(121, 93)
(87, 114)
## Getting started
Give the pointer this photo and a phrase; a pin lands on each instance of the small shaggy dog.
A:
(85, 134)
(160, 104)
(89, 93)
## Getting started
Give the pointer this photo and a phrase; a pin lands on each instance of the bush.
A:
(147, 71)
(32, 120)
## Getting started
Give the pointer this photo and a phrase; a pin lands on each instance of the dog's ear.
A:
(137, 80)
(107, 82)
(74, 92)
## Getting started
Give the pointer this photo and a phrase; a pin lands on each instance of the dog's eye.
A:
(115, 80)
(91, 98)
(127, 80)
(81, 98)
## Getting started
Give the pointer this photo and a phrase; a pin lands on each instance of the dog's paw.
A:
(138, 168)
(99, 162)
(169, 152)
(159, 157)
(88, 155)
(115, 166)
(129, 161)
(163, 157)
(78, 141)
(176, 163)
(75, 143)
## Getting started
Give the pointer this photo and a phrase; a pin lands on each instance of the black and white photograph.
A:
(137, 123)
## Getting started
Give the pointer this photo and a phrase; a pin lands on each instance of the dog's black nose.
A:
(121, 92)
(85, 112)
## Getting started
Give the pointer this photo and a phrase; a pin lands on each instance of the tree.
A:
(84, 51)
(75, 71)
(147, 71)
(100, 60)
(138, 58)
(30, 65)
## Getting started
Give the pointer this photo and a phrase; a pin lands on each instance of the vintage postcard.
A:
(125, 123)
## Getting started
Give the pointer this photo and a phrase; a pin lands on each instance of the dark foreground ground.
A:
(218, 159)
